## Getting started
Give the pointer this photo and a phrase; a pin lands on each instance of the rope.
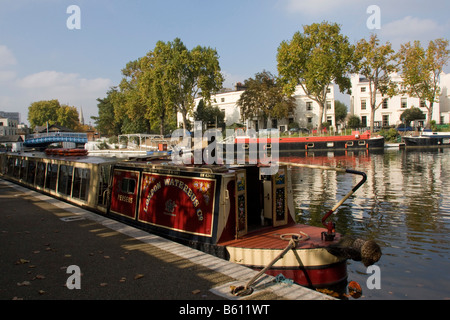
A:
(300, 236)
(247, 289)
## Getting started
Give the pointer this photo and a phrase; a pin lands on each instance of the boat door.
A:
(241, 203)
(124, 192)
(275, 197)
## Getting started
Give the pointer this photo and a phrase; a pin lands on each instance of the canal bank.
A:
(41, 238)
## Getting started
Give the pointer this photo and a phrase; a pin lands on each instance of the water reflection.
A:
(404, 206)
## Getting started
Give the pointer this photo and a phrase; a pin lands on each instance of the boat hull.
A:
(308, 144)
(309, 264)
(427, 141)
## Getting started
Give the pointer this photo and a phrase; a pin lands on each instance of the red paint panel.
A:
(124, 193)
(178, 203)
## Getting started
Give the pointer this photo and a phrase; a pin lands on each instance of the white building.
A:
(306, 113)
(389, 112)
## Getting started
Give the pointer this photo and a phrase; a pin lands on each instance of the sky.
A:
(42, 57)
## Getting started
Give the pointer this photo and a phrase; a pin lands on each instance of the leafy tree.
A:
(340, 111)
(208, 114)
(314, 59)
(354, 122)
(107, 122)
(412, 114)
(41, 112)
(52, 112)
(376, 62)
(166, 80)
(421, 69)
(264, 97)
(68, 117)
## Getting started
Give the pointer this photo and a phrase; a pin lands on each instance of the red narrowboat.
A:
(244, 213)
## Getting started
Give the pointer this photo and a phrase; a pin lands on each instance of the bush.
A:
(389, 135)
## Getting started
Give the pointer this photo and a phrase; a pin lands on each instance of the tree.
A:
(68, 117)
(412, 114)
(314, 59)
(107, 122)
(264, 97)
(340, 111)
(41, 113)
(421, 69)
(208, 114)
(354, 122)
(188, 74)
(168, 79)
(376, 63)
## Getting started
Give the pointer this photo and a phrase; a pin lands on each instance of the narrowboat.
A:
(355, 141)
(240, 213)
(428, 139)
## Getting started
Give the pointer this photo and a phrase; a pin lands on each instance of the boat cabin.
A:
(205, 203)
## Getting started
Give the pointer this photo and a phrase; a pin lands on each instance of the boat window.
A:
(128, 185)
(65, 179)
(23, 169)
(17, 164)
(103, 184)
(31, 171)
(349, 143)
(330, 144)
(81, 183)
(52, 174)
(362, 143)
(40, 174)
(10, 166)
(310, 145)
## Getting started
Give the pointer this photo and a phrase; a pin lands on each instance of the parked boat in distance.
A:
(428, 139)
(355, 141)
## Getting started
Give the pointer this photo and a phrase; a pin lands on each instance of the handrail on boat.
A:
(330, 233)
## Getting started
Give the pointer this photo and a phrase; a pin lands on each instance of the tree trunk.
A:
(321, 108)
(429, 116)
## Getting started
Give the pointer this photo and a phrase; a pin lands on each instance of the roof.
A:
(13, 138)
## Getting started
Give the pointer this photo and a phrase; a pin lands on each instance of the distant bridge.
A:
(42, 140)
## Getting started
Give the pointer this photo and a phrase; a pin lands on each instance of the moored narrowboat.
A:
(283, 145)
(428, 139)
(242, 213)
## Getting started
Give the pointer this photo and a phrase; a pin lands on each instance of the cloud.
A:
(68, 88)
(411, 28)
(317, 7)
(6, 57)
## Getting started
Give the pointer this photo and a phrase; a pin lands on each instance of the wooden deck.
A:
(271, 238)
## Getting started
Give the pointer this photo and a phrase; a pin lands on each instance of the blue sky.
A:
(41, 59)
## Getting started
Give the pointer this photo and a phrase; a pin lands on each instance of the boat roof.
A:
(81, 159)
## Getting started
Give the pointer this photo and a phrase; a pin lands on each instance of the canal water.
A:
(404, 206)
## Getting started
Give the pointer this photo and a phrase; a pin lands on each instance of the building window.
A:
(309, 119)
(328, 90)
(422, 103)
(222, 99)
(385, 103)
(364, 121)
(363, 89)
(330, 120)
(386, 121)
(309, 106)
(363, 104)
(404, 103)
(328, 105)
